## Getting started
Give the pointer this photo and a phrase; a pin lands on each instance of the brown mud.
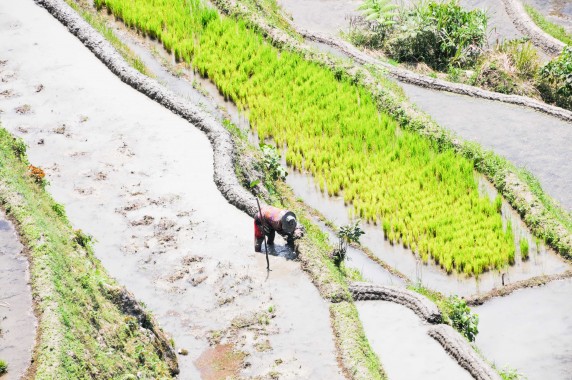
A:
(17, 320)
(140, 180)
(220, 362)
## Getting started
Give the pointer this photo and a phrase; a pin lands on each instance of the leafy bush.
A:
(461, 318)
(271, 162)
(455, 311)
(439, 34)
(347, 234)
(555, 80)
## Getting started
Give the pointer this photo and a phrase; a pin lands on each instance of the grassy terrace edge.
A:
(88, 325)
(555, 30)
(541, 213)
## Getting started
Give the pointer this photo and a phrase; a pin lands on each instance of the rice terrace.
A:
(286, 189)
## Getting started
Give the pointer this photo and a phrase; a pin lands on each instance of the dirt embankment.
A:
(524, 23)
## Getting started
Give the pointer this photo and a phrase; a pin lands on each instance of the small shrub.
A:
(439, 34)
(271, 161)
(365, 33)
(524, 249)
(510, 68)
(83, 239)
(347, 234)
(461, 318)
(59, 210)
(555, 80)
(19, 148)
(3, 367)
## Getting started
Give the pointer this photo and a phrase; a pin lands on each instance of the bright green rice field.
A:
(424, 197)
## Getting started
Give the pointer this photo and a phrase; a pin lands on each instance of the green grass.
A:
(82, 332)
(554, 30)
(524, 249)
(333, 130)
(355, 351)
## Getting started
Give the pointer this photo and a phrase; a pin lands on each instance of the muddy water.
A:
(530, 330)
(17, 320)
(401, 341)
(139, 179)
(556, 11)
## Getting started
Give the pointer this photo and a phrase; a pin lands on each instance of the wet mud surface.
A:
(400, 339)
(530, 330)
(140, 180)
(556, 11)
(17, 320)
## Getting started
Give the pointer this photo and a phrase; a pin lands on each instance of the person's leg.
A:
(271, 236)
(258, 237)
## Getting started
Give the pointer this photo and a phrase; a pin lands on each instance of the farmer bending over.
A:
(274, 220)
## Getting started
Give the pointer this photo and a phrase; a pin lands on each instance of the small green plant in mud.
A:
(3, 367)
(524, 248)
(510, 374)
(555, 80)
(455, 311)
(271, 160)
(461, 318)
(347, 234)
(19, 148)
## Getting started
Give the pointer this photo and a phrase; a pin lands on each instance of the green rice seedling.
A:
(524, 248)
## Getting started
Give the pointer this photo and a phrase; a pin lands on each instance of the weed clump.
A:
(555, 80)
